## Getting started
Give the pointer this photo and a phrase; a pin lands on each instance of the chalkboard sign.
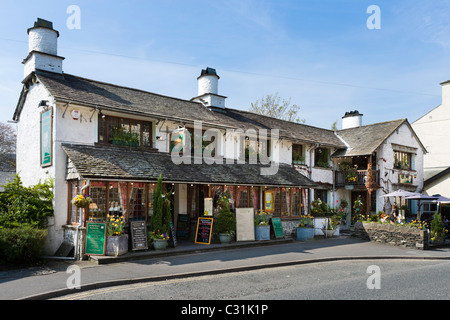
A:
(95, 243)
(277, 228)
(138, 235)
(204, 229)
(173, 237)
(183, 226)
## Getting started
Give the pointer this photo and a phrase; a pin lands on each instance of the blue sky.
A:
(318, 53)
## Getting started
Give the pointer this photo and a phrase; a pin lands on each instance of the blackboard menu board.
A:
(204, 229)
(138, 235)
(277, 228)
(95, 243)
(183, 226)
(173, 237)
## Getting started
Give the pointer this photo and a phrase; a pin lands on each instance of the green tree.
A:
(156, 222)
(274, 106)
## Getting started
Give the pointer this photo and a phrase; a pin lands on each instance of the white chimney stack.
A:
(352, 119)
(208, 89)
(446, 92)
(42, 49)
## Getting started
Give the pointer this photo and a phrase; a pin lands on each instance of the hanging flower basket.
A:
(81, 201)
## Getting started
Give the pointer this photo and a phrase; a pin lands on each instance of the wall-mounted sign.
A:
(46, 138)
(269, 197)
(208, 207)
(75, 114)
(405, 178)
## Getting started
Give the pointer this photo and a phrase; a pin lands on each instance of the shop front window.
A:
(117, 193)
(254, 198)
(137, 207)
(97, 209)
(242, 197)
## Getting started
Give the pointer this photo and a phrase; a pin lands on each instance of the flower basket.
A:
(81, 201)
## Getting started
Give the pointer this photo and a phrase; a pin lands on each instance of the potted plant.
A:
(161, 218)
(225, 223)
(116, 240)
(262, 228)
(305, 228)
(158, 239)
(330, 226)
(438, 230)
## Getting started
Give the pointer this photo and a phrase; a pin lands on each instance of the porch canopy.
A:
(115, 163)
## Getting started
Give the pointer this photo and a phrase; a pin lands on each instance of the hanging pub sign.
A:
(46, 138)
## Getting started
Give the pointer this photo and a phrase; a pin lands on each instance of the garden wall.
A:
(397, 235)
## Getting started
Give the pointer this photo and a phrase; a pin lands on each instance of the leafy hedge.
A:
(21, 245)
(23, 221)
(26, 206)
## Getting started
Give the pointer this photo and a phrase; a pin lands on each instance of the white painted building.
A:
(433, 130)
(115, 141)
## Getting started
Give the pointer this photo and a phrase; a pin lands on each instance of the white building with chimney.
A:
(113, 142)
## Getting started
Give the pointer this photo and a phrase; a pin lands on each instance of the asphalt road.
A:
(343, 280)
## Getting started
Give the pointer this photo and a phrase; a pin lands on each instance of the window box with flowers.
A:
(262, 228)
(117, 239)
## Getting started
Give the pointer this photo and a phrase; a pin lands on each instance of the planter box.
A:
(262, 232)
(116, 246)
(304, 234)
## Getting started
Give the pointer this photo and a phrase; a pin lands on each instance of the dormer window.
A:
(124, 132)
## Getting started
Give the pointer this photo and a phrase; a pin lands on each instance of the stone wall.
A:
(397, 235)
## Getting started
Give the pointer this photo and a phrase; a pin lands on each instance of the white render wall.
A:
(388, 175)
(433, 131)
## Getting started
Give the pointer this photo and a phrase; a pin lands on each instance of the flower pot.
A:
(224, 238)
(302, 233)
(262, 232)
(116, 245)
(160, 244)
(328, 233)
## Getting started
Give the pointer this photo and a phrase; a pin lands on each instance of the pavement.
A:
(53, 279)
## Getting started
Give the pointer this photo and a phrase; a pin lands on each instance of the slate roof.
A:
(287, 129)
(107, 96)
(103, 162)
(364, 140)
